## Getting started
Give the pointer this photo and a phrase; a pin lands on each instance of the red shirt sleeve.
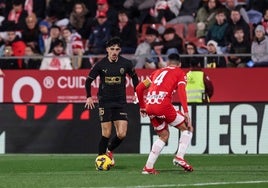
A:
(183, 98)
(140, 90)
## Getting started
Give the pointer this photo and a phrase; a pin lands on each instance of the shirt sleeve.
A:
(182, 92)
(132, 73)
(183, 97)
(91, 76)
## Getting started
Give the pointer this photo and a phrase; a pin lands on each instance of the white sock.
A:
(155, 152)
(185, 140)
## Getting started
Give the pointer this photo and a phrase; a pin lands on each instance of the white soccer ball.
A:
(103, 162)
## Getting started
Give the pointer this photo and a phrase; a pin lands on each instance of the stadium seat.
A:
(191, 31)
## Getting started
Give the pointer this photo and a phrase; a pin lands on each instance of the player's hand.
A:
(143, 112)
(89, 103)
(188, 121)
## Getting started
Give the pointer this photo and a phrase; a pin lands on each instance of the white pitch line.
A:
(184, 185)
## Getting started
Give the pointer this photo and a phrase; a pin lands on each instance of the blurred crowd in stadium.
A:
(216, 33)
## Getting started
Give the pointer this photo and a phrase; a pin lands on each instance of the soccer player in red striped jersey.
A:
(158, 106)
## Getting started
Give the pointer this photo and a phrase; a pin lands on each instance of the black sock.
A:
(115, 142)
(103, 145)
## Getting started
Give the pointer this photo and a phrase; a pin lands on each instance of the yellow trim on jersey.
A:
(147, 82)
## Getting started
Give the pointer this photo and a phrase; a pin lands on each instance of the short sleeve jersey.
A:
(112, 86)
(164, 82)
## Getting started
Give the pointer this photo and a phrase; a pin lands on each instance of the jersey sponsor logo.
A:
(160, 117)
(155, 98)
(113, 80)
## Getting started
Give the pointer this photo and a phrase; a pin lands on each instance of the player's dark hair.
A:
(113, 41)
(174, 57)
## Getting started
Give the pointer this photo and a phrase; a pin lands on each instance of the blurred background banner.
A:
(220, 128)
(35, 86)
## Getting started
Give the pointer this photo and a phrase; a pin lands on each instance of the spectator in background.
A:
(171, 43)
(2, 42)
(17, 14)
(205, 17)
(215, 61)
(78, 62)
(191, 49)
(165, 10)
(8, 63)
(68, 36)
(199, 87)
(54, 60)
(78, 18)
(58, 9)
(18, 46)
(103, 6)
(43, 37)
(3, 8)
(62, 24)
(38, 7)
(144, 48)
(99, 35)
(31, 34)
(187, 12)
(125, 29)
(264, 21)
(31, 61)
(239, 46)
(140, 10)
(54, 34)
(259, 48)
(236, 21)
(217, 31)
(232, 4)
(255, 9)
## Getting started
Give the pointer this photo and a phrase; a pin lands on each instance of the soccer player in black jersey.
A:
(112, 71)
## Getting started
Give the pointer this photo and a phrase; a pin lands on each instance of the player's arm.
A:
(92, 76)
(183, 99)
(89, 102)
(141, 87)
(135, 79)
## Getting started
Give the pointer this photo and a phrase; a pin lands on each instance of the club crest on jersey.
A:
(122, 71)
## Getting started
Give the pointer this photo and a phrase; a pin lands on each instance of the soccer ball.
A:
(103, 162)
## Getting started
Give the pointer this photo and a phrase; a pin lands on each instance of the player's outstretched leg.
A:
(149, 171)
(177, 161)
(155, 152)
(185, 139)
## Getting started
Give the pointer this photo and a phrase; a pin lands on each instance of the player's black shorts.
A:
(112, 114)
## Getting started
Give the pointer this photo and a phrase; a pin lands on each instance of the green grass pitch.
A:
(78, 171)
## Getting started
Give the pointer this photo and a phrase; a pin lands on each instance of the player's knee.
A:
(163, 135)
(183, 127)
(121, 135)
(165, 138)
